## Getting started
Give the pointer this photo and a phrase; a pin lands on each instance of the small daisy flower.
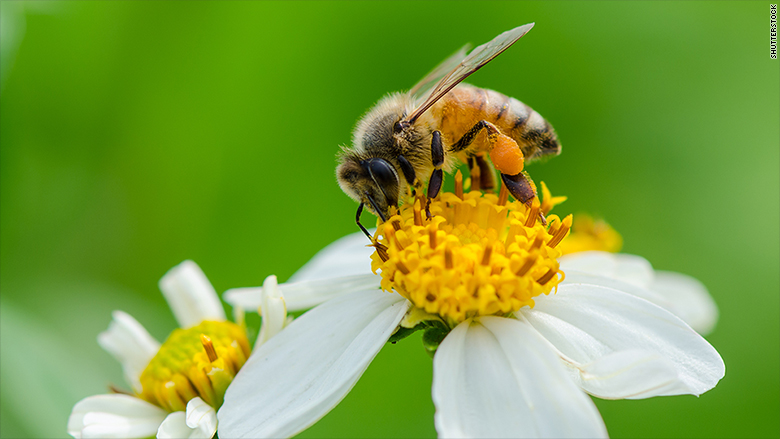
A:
(517, 345)
(177, 386)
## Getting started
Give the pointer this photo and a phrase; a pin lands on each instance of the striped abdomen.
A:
(465, 105)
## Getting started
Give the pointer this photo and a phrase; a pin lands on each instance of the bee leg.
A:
(504, 153)
(471, 134)
(520, 188)
(487, 179)
(437, 176)
(357, 220)
(408, 170)
(523, 189)
(485, 171)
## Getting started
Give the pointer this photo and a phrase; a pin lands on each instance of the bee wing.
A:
(478, 57)
(439, 71)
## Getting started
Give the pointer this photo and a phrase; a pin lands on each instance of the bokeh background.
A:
(135, 135)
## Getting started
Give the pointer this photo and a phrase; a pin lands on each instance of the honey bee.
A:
(408, 139)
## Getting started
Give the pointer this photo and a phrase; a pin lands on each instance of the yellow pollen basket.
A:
(478, 254)
(198, 361)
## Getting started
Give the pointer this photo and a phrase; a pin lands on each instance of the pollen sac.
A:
(198, 361)
(477, 255)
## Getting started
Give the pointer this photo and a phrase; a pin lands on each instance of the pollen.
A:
(198, 361)
(479, 254)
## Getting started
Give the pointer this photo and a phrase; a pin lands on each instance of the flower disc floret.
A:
(477, 255)
(198, 361)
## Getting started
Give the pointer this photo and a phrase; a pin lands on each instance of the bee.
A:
(408, 139)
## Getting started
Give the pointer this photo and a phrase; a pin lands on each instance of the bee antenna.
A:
(357, 219)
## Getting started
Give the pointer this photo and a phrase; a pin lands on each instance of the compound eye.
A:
(386, 178)
(382, 172)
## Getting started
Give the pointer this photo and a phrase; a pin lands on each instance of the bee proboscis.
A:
(408, 139)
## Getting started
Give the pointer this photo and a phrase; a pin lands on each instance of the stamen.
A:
(421, 198)
(432, 237)
(561, 232)
(546, 277)
(486, 255)
(448, 258)
(459, 184)
(529, 262)
(402, 268)
(392, 237)
(417, 213)
(503, 195)
(532, 215)
(208, 346)
(381, 250)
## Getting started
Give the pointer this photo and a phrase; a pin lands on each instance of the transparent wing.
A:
(439, 71)
(478, 57)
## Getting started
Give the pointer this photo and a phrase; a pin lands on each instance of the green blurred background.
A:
(135, 135)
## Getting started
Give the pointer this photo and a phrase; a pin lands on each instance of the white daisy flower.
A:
(177, 386)
(511, 359)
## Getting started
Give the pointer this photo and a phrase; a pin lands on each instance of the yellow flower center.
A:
(477, 255)
(198, 361)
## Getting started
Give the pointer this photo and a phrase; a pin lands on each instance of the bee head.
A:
(372, 181)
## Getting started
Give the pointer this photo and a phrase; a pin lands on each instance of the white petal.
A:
(628, 268)
(273, 310)
(174, 427)
(303, 294)
(587, 322)
(202, 418)
(114, 416)
(190, 295)
(199, 422)
(686, 299)
(299, 375)
(496, 377)
(628, 374)
(347, 256)
(307, 294)
(582, 278)
(691, 300)
(131, 344)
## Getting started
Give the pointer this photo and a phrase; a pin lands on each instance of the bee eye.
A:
(382, 172)
(385, 177)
